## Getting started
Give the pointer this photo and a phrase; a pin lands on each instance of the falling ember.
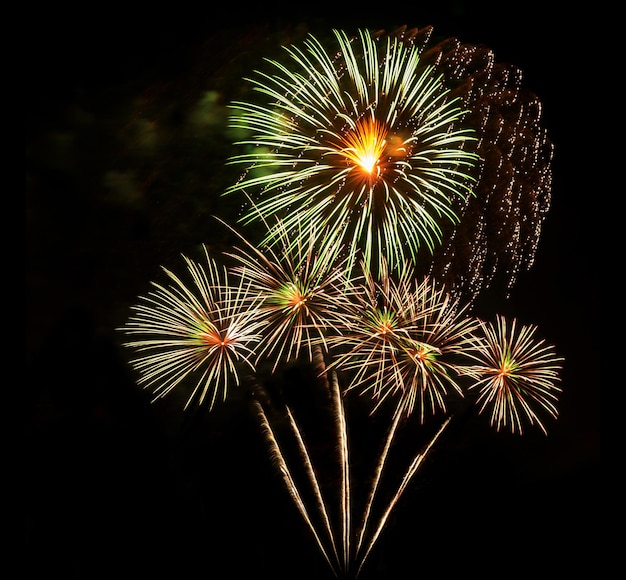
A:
(500, 224)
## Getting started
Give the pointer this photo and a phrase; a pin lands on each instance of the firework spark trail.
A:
(290, 483)
(343, 560)
(346, 508)
(310, 471)
(413, 468)
(347, 559)
(382, 459)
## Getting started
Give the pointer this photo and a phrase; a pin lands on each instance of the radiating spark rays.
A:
(403, 338)
(365, 143)
(518, 375)
(303, 291)
(208, 329)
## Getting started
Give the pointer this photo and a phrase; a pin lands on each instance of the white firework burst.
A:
(518, 375)
(208, 329)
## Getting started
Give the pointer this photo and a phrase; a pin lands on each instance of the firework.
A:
(207, 328)
(518, 375)
(344, 546)
(303, 290)
(361, 139)
(433, 359)
(404, 336)
(427, 166)
(500, 225)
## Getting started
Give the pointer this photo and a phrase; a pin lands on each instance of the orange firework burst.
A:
(364, 147)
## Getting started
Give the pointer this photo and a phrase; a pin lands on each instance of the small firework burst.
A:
(362, 140)
(431, 363)
(302, 287)
(208, 329)
(405, 336)
(518, 375)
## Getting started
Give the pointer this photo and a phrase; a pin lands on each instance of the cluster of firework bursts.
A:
(392, 179)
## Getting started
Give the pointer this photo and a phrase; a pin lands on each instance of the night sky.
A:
(125, 152)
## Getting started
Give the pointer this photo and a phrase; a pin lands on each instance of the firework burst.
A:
(405, 336)
(363, 140)
(303, 290)
(207, 328)
(518, 375)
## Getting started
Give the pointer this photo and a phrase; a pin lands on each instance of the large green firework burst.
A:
(362, 139)
(518, 375)
(205, 329)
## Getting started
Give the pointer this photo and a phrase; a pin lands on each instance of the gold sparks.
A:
(365, 145)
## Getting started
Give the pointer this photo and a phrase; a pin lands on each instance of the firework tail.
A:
(342, 433)
(341, 561)
(342, 558)
(378, 473)
(412, 470)
(290, 483)
(310, 471)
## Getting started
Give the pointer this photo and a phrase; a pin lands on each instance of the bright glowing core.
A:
(215, 338)
(365, 144)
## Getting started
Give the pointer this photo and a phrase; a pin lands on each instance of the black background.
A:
(116, 486)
